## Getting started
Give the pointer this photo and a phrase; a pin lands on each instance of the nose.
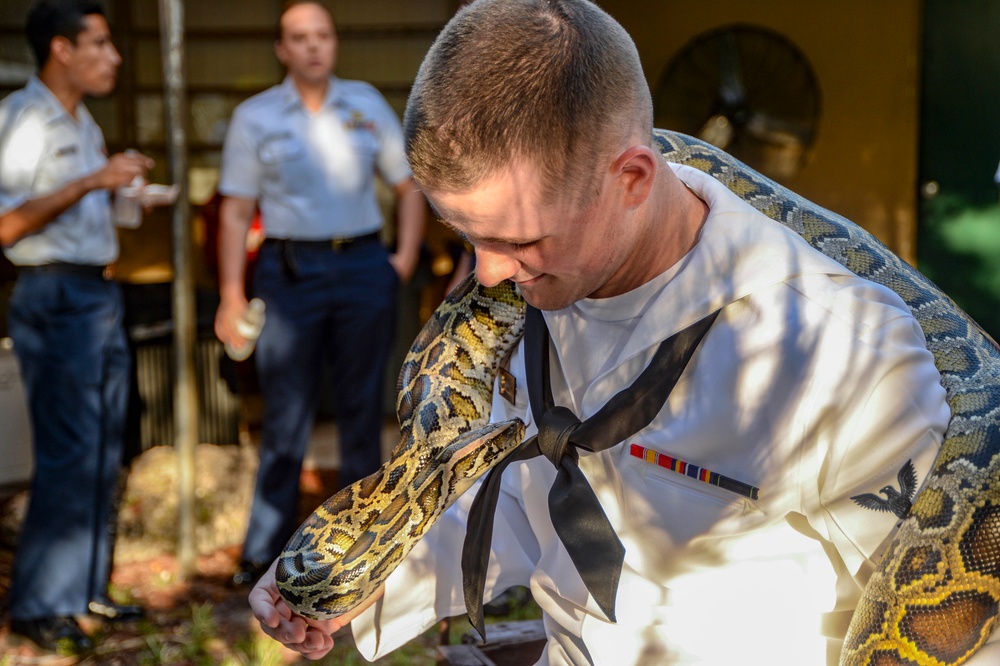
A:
(116, 57)
(492, 267)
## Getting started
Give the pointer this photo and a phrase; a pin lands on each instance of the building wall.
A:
(863, 163)
(866, 57)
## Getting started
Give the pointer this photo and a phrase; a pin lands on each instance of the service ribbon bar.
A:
(693, 471)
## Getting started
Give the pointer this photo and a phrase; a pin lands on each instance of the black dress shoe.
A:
(56, 634)
(248, 574)
(109, 610)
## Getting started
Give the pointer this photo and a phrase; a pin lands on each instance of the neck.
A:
(672, 221)
(312, 92)
(68, 95)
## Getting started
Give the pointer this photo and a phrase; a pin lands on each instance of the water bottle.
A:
(249, 326)
(128, 207)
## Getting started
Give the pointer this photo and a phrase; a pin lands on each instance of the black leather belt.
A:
(335, 244)
(66, 268)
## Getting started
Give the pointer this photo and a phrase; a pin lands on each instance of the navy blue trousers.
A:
(70, 343)
(335, 307)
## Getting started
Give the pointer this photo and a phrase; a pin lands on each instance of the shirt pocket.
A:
(363, 140)
(63, 164)
(670, 513)
(287, 165)
(275, 150)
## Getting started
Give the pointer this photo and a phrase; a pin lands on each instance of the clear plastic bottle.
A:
(128, 204)
(249, 326)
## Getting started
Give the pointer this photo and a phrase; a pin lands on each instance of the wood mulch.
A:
(155, 583)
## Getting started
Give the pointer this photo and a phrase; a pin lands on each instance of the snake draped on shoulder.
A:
(933, 599)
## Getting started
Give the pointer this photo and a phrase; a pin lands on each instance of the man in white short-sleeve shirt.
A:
(749, 508)
(65, 318)
(306, 153)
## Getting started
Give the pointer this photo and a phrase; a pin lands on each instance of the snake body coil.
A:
(342, 553)
(935, 596)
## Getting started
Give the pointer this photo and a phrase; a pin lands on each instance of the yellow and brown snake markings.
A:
(934, 598)
(350, 544)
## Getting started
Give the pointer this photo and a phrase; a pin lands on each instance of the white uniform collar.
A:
(54, 110)
(740, 251)
(291, 94)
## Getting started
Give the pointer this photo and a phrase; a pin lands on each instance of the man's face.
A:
(93, 61)
(557, 252)
(308, 44)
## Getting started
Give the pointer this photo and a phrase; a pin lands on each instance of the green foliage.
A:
(960, 252)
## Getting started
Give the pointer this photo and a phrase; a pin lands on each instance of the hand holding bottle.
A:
(248, 327)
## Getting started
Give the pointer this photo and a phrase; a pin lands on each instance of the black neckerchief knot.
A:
(555, 428)
(576, 513)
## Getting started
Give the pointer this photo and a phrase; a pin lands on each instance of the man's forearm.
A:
(35, 214)
(235, 218)
(412, 214)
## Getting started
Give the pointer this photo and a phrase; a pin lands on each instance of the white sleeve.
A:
(897, 419)
(241, 171)
(391, 161)
(22, 142)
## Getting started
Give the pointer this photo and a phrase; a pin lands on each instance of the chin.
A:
(102, 89)
(548, 301)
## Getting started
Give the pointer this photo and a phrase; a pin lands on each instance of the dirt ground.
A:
(155, 584)
(205, 609)
(204, 620)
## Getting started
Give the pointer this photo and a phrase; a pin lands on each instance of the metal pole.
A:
(185, 388)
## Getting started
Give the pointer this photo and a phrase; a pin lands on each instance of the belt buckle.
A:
(338, 244)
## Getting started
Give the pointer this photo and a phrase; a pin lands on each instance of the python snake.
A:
(350, 544)
(934, 597)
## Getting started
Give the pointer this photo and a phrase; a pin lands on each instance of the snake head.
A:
(476, 452)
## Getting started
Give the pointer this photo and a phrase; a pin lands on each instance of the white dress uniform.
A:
(812, 386)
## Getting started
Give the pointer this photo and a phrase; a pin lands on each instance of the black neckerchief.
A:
(576, 513)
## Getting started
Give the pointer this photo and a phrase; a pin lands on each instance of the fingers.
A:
(404, 270)
(226, 315)
(310, 638)
(141, 161)
(122, 169)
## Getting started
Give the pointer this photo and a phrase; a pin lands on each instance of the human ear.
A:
(635, 170)
(61, 49)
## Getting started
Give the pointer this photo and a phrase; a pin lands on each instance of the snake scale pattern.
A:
(934, 598)
(350, 544)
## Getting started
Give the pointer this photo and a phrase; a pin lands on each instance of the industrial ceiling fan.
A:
(748, 90)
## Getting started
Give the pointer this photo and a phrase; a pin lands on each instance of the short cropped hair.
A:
(48, 19)
(557, 82)
(289, 4)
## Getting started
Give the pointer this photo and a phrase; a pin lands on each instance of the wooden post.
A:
(183, 293)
